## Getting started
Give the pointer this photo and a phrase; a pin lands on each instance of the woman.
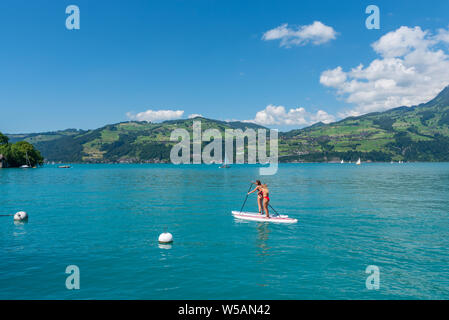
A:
(259, 194)
(266, 198)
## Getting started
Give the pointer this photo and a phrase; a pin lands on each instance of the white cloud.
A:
(443, 35)
(315, 33)
(194, 115)
(402, 41)
(277, 115)
(333, 78)
(156, 115)
(321, 116)
(410, 70)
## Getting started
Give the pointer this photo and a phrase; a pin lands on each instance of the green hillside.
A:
(419, 133)
(133, 141)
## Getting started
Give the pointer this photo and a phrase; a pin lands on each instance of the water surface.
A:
(106, 220)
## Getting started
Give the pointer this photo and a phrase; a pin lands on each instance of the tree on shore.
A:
(3, 139)
(16, 153)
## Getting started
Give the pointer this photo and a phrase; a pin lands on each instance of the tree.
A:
(3, 139)
(16, 153)
(20, 150)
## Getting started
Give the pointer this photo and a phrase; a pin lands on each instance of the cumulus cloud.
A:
(333, 78)
(194, 115)
(315, 33)
(156, 115)
(401, 42)
(443, 35)
(278, 115)
(410, 69)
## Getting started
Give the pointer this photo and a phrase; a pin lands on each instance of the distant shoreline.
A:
(236, 164)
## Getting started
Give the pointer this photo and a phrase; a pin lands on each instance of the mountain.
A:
(418, 133)
(132, 141)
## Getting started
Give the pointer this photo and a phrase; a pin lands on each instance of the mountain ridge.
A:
(416, 133)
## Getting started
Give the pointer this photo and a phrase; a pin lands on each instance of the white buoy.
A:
(21, 216)
(165, 237)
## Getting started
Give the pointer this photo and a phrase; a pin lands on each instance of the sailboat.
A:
(28, 163)
(342, 161)
(225, 165)
(358, 162)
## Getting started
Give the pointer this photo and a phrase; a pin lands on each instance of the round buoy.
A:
(20, 216)
(165, 237)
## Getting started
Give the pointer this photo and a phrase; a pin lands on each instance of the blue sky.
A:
(210, 58)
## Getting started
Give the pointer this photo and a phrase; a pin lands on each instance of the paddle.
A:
(274, 210)
(246, 197)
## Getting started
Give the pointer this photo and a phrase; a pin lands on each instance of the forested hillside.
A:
(419, 133)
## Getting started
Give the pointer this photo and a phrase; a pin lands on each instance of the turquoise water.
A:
(106, 220)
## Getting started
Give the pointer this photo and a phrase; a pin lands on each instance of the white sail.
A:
(358, 161)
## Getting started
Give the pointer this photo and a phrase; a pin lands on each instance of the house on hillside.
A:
(2, 161)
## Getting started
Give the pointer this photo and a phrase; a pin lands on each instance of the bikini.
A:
(261, 194)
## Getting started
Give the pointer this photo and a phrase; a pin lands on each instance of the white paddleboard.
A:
(258, 217)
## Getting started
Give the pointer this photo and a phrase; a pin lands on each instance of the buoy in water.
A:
(21, 216)
(165, 237)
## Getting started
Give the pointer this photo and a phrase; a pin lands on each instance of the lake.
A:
(106, 219)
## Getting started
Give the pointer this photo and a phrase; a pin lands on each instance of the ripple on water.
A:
(106, 219)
